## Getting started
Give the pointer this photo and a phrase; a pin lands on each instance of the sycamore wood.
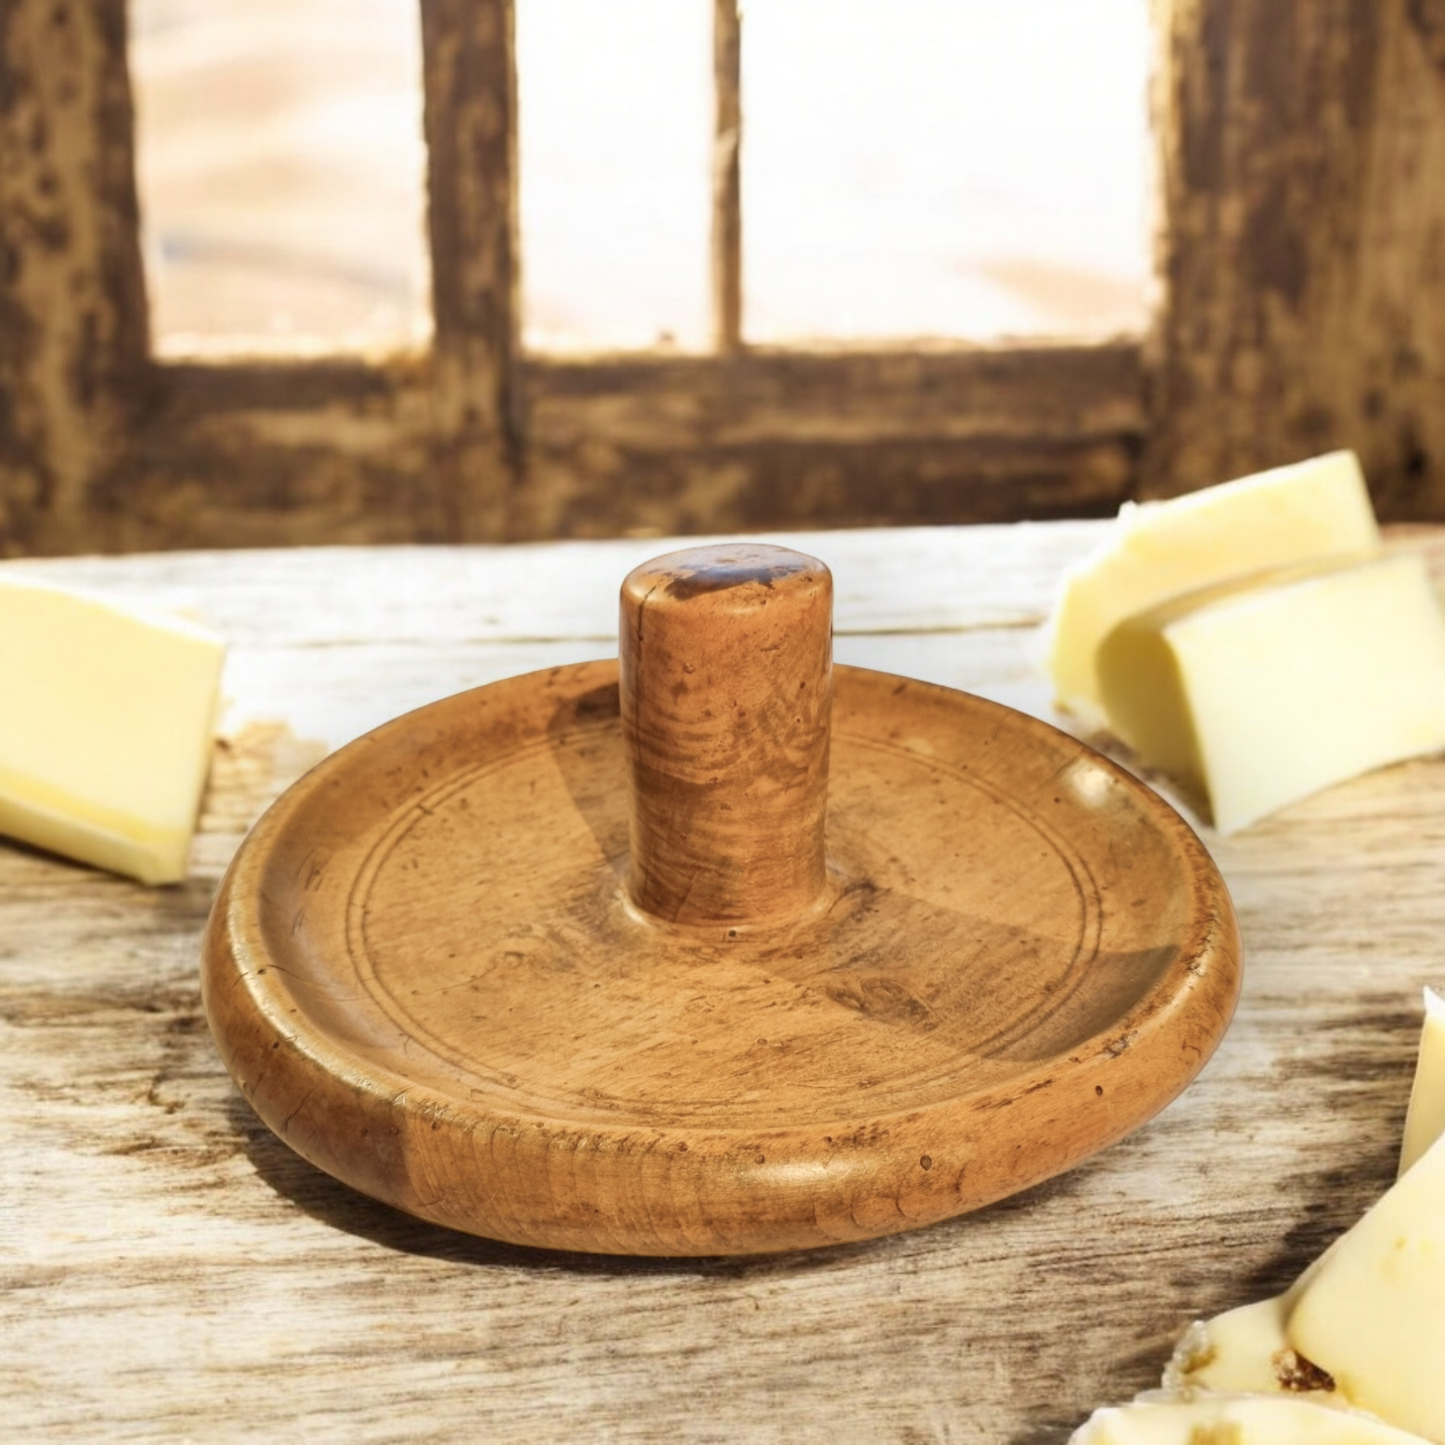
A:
(569, 964)
(726, 696)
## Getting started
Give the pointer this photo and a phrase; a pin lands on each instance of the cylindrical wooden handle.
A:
(726, 669)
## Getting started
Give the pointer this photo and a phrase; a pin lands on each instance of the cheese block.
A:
(1425, 1122)
(106, 722)
(1236, 1420)
(1307, 511)
(1373, 1312)
(1256, 693)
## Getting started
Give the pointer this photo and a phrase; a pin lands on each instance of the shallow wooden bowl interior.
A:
(425, 976)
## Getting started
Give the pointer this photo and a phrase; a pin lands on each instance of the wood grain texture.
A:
(469, 65)
(166, 1260)
(73, 324)
(726, 702)
(727, 188)
(1303, 163)
(327, 453)
(424, 974)
(1301, 158)
(100, 450)
(766, 440)
(336, 452)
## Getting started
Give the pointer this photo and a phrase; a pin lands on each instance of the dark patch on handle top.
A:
(724, 575)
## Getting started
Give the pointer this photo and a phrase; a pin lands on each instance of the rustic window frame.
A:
(1275, 335)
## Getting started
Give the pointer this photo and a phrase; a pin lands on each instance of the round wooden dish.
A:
(560, 969)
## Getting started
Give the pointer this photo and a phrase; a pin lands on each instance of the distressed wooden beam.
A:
(324, 452)
(276, 454)
(73, 329)
(1303, 146)
(102, 450)
(469, 59)
(773, 438)
(727, 228)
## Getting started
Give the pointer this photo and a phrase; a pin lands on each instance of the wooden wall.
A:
(1302, 261)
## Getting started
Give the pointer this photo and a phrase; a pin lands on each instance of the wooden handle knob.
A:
(726, 675)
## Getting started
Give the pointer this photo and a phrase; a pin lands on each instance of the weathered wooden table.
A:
(172, 1272)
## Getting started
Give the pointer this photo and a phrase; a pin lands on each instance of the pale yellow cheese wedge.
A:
(106, 723)
(1425, 1122)
(1256, 694)
(1373, 1312)
(1310, 510)
(1247, 1350)
(1236, 1420)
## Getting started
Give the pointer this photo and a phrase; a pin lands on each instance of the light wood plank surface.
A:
(171, 1272)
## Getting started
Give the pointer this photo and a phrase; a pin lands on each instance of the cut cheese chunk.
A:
(1236, 1420)
(1361, 1330)
(1232, 1353)
(1311, 510)
(106, 722)
(1425, 1122)
(1249, 1350)
(1258, 693)
(1373, 1311)
(1245, 1351)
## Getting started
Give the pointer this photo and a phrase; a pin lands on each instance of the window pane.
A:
(614, 140)
(281, 166)
(957, 168)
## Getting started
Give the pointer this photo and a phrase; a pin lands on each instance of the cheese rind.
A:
(1425, 1121)
(106, 722)
(1236, 1420)
(1373, 1310)
(1256, 695)
(1306, 511)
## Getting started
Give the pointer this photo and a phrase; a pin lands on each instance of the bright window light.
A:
(944, 168)
(615, 142)
(281, 166)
